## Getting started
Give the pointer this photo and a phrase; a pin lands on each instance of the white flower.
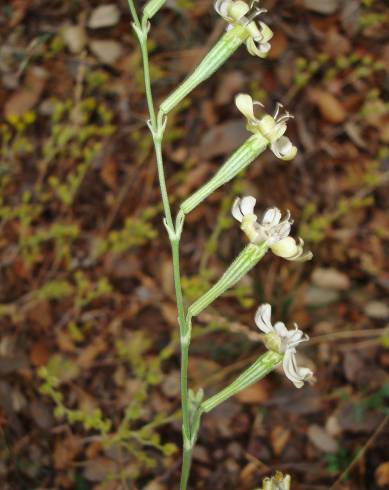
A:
(277, 482)
(272, 127)
(284, 341)
(239, 12)
(271, 230)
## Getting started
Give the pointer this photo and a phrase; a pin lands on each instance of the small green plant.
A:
(136, 232)
(130, 433)
(339, 461)
(376, 401)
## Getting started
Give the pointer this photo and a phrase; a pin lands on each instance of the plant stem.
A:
(156, 125)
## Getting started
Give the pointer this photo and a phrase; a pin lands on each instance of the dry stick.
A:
(369, 442)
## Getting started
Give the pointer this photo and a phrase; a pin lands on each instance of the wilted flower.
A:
(271, 127)
(280, 339)
(239, 12)
(271, 230)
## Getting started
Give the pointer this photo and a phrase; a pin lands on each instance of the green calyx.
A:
(216, 57)
(237, 162)
(246, 260)
(261, 367)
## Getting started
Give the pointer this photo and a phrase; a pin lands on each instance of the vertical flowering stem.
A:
(157, 125)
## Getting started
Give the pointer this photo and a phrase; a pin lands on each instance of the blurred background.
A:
(89, 360)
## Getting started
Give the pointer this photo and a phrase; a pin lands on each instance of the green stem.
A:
(157, 126)
(134, 14)
(162, 185)
(185, 469)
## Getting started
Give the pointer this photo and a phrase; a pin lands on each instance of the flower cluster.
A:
(280, 339)
(238, 12)
(272, 127)
(271, 229)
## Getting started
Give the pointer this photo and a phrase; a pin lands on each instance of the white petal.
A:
(236, 211)
(271, 217)
(281, 329)
(283, 148)
(263, 318)
(266, 32)
(255, 33)
(244, 103)
(285, 248)
(247, 205)
(299, 254)
(294, 373)
(283, 230)
(257, 48)
(238, 9)
(295, 336)
(222, 7)
(279, 131)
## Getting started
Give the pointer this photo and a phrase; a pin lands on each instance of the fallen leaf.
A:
(325, 7)
(279, 43)
(42, 414)
(39, 353)
(200, 368)
(315, 296)
(330, 108)
(279, 438)
(230, 84)
(89, 353)
(330, 279)
(65, 451)
(195, 178)
(25, 98)
(98, 469)
(377, 309)
(321, 439)
(382, 474)
(223, 139)
(104, 16)
(39, 314)
(106, 50)
(155, 485)
(171, 384)
(75, 38)
(254, 394)
(332, 426)
(109, 172)
(19, 10)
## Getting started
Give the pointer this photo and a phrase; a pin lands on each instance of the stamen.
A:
(277, 110)
(285, 117)
(287, 218)
(252, 14)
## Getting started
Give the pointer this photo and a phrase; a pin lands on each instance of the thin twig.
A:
(368, 444)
